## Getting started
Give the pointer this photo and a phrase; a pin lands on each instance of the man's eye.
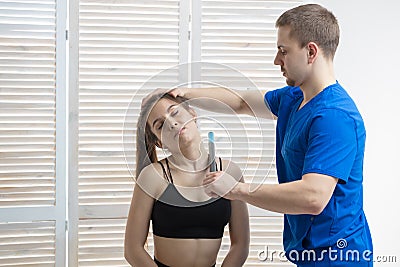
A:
(283, 52)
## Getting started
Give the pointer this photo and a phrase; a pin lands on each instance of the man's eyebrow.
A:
(281, 46)
(168, 110)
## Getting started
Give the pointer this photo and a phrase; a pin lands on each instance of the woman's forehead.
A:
(164, 103)
(161, 107)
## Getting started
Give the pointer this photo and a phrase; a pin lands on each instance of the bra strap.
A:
(169, 171)
(220, 164)
(164, 172)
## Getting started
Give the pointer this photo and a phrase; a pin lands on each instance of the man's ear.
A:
(312, 52)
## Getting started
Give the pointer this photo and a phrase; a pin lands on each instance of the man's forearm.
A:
(223, 100)
(216, 99)
(289, 198)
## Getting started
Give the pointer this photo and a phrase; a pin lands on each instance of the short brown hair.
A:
(312, 23)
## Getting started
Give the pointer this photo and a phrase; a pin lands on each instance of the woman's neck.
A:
(191, 160)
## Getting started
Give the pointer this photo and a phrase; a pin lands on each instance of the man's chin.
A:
(290, 82)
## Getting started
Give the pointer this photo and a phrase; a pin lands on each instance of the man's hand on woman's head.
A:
(176, 92)
(158, 91)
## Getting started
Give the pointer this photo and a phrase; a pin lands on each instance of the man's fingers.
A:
(208, 181)
(175, 92)
(211, 177)
(213, 174)
(214, 195)
(210, 193)
(158, 91)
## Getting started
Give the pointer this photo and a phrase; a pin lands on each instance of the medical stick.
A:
(211, 151)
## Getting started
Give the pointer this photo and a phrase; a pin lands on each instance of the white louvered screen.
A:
(235, 41)
(27, 244)
(126, 49)
(32, 131)
(27, 103)
(100, 242)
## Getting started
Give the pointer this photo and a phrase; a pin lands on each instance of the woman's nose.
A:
(172, 124)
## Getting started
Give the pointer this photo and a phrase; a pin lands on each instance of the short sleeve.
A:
(273, 98)
(332, 144)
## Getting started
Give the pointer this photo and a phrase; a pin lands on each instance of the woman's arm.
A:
(137, 226)
(239, 234)
(239, 230)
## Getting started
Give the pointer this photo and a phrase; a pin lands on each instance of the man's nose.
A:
(276, 60)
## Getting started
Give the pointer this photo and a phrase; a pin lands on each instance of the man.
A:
(320, 142)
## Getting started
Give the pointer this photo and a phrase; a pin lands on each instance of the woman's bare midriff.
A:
(186, 252)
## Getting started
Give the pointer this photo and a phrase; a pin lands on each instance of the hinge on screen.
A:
(66, 34)
(66, 226)
(189, 33)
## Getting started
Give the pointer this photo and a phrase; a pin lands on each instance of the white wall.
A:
(368, 66)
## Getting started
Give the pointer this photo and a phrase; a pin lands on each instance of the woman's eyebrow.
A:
(168, 110)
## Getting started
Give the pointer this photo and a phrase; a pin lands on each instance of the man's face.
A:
(291, 58)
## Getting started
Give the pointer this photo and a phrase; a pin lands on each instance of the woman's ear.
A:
(193, 112)
(159, 144)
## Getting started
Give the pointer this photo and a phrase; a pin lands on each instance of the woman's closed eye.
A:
(160, 125)
(174, 111)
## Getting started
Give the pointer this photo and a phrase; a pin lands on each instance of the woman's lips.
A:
(182, 130)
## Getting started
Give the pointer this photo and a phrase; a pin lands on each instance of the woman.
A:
(187, 224)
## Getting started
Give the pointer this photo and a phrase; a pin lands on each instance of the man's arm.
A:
(223, 100)
(309, 195)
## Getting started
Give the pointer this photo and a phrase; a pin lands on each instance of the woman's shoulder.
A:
(151, 169)
(151, 180)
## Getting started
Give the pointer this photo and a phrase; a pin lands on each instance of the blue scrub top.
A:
(325, 136)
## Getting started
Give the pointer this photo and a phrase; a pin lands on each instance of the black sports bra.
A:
(174, 216)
